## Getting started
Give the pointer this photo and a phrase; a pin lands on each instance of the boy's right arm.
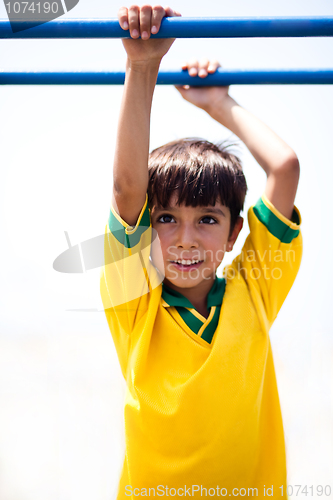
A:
(130, 169)
(128, 276)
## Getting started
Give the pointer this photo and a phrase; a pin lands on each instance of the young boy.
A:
(202, 412)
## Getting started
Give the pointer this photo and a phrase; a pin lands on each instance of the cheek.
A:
(164, 243)
(219, 254)
(215, 248)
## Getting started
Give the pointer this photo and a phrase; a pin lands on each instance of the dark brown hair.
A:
(200, 172)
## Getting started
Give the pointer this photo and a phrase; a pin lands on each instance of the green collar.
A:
(215, 295)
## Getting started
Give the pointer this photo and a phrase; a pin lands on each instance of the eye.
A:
(165, 218)
(208, 220)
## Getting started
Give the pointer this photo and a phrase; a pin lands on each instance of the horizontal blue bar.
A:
(177, 77)
(176, 27)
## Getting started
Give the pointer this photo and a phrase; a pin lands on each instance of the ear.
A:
(234, 235)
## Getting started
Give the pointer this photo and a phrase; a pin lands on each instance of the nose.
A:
(187, 237)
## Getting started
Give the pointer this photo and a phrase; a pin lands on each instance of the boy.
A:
(202, 413)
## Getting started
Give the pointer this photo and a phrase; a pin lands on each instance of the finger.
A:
(157, 15)
(203, 65)
(123, 18)
(133, 21)
(171, 13)
(182, 89)
(213, 65)
(145, 18)
(193, 67)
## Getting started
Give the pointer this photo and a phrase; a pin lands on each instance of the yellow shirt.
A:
(202, 408)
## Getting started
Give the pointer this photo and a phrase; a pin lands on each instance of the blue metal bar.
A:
(177, 27)
(177, 77)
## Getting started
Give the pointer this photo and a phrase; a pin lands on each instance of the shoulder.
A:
(263, 217)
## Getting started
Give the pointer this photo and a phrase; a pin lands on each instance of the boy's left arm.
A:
(272, 252)
(277, 159)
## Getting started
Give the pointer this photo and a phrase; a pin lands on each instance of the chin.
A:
(185, 282)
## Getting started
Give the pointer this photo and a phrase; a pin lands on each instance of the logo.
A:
(90, 254)
(96, 253)
(24, 15)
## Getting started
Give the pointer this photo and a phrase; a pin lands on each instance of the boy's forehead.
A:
(218, 208)
(172, 204)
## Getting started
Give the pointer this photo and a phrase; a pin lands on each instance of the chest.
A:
(180, 346)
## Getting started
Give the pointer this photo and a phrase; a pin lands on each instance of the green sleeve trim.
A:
(274, 224)
(127, 235)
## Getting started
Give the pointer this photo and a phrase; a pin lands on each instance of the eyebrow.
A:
(207, 210)
(212, 210)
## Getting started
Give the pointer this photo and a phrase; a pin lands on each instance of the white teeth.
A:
(186, 262)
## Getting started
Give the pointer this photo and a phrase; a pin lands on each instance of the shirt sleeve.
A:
(270, 258)
(127, 276)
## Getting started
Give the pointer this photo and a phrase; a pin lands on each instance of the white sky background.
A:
(61, 433)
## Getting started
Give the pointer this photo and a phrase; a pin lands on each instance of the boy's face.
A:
(193, 241)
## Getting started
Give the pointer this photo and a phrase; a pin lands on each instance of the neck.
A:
(197, 295)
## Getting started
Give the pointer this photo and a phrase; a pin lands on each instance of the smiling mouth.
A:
(186, 264)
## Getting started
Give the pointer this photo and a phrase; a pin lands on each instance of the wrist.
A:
(219, 108)
(143, 66)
